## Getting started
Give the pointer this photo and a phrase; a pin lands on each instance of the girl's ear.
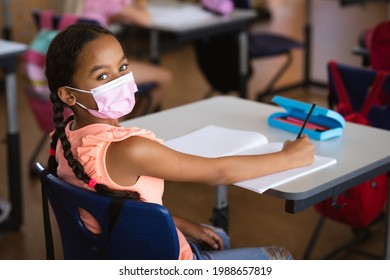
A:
(66, 95)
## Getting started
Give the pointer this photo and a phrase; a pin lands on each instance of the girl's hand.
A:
(300, 151)
(201, 234)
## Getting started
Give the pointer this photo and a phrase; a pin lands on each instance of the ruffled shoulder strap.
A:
(97, 138)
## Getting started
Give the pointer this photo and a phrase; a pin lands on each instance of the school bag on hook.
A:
(362, 204)
(37, 90)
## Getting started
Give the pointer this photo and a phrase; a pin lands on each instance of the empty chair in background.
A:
(218, 58)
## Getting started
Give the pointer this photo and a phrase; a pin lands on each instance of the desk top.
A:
(359, 150)
(179, 17)
(9, 48)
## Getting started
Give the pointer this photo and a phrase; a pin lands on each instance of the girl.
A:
(133, 13)
(87, 70)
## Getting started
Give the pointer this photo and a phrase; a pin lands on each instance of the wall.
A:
(22, 25)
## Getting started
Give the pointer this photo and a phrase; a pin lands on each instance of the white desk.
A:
(174, 18)
(8, 60)
(362, 152)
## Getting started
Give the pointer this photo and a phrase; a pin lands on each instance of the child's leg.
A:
(255, 253)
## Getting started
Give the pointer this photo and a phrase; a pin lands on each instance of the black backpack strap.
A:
(114, 211)
(46, 217)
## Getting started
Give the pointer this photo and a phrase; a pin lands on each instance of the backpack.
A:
(362, 204)
(34, 60)
(378, 44)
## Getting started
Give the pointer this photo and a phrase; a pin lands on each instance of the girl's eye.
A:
(123, 67)
(102, 77)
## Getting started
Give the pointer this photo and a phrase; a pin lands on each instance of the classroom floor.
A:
(254, 220)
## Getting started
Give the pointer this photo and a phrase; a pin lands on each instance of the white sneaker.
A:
(5, 209)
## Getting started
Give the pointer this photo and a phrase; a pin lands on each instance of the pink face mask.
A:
(114, 99)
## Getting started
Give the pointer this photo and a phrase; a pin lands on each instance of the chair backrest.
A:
(140, 230)
(357, 82)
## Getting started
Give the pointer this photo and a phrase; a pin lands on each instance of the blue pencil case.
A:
(323, 123)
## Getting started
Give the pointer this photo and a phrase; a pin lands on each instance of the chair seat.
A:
(264, 44)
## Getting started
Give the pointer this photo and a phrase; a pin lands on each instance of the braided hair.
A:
(60, 66)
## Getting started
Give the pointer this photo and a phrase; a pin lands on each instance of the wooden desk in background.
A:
(188, 22)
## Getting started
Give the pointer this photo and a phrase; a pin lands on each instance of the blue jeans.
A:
(253, 253)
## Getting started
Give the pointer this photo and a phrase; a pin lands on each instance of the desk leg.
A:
(15, 219)
(243, 62)
(220, 214)
(307, 52)
(153, 41)
(7, 20)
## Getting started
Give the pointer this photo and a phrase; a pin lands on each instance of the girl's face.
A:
(100, 61)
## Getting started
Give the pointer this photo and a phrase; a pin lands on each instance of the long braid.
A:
(74, 164)
(60, 64)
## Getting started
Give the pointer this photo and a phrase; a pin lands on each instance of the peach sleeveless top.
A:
(89, 146)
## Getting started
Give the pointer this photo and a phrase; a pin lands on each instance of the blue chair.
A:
(357, 81)
(262, 45)
(131, 230)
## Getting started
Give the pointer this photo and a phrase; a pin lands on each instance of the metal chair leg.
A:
(269, 88)
(314, 238)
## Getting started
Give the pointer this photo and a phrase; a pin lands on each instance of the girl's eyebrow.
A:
(98, 67)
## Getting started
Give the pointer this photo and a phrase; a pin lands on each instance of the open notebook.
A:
(215, 141)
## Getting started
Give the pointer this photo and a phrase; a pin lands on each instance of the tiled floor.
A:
(255, 220)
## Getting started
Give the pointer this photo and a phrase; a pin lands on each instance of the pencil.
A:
(305, 122)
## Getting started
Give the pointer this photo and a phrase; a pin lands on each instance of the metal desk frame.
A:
(8, 61)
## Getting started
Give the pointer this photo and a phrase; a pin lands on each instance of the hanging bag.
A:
(360, 205)
(34, 62)
(35, 57)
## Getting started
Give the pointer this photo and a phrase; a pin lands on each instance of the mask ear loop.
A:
(81, 90)
(82, 106)
(76, 89)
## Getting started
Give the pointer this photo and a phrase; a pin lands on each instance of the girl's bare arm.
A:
(137, 156)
